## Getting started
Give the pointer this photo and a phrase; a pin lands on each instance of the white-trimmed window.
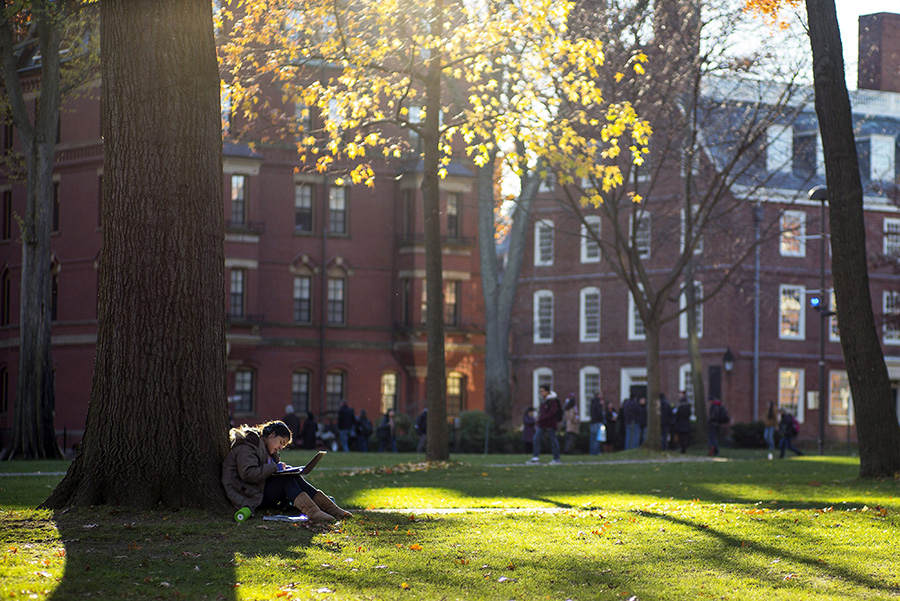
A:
(589, 315)
(337, 210)
(698, 310)
(639, 226)
(840, 401)
(695, 230)
(779, 139)
(543, 242)
(891, 317)
(388, 391)
(303, 299)
(891, 237)
(636, 330)
(542, 376)
(590, 233)
(588, 385)
(790, 391)
(337, 294)
(686, 383)
(543, 317)
(792, 318)
(303, 208)
(792, 242)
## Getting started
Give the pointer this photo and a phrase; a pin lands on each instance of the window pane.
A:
(641, 233)
(543, 317)
(456, 394)
(336, 300)
(590, 249)
(303, 299)
(388, 392)
(891, 317)
(451, 303)
(337, 210)
(590, 315)
(453, 216)
(236, 308)
(243, 391)
(840, 402)
(793, 234)
(892, 237)
(790, 390)
(303, 221)
(791, 310)
(300, 392)
(334, 390)
(238, 200)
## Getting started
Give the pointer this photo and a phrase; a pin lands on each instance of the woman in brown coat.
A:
(248, 471)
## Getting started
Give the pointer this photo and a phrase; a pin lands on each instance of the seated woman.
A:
(247, 475)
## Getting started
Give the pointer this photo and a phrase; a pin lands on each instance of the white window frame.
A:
(686, 383)
(792, 225)
(644, 236)
(801, 394)
(843, 421)
(543, 227)
(629, 376)
(590, 249)
(890, 305)
(536, 334)
(634, 319)
(586, 393)
(302, 292)
(698, 308)
(891, 237)
(779, 148)
(801, 322)
(538, 376)
(584, 335)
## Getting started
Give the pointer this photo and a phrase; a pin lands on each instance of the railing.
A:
(245, 227)
(246, 318)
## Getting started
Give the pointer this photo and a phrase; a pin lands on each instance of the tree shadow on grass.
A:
(813, 563)
(167, 555)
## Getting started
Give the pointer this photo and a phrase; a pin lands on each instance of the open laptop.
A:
(303, 469)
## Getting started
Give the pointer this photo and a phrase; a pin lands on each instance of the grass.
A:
(629, 525)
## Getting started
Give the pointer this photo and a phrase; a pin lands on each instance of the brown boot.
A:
(310, 509)
(329, 506)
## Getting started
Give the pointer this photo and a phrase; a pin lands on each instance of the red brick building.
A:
(576, 327)
(325, 283)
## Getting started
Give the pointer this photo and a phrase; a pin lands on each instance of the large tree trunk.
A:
(156, 429)
(653, 439)
(34, 435)
(690, 293)
(435, 387)
(876, 417)
(500, 290)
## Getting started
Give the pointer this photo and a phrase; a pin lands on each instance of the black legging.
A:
(284, 489)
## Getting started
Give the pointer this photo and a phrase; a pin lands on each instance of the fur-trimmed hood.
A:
(244, 434)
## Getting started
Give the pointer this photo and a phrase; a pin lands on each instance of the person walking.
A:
(346, 420)
(572, 424)
(598, 421)
(549, 415)
(387, 432)
(788, 428)
(770, 422)
(717, 417)
(528, 423)
(631, 415)
(422, 430)
(682, 423)
(666, 418)
(364, 431)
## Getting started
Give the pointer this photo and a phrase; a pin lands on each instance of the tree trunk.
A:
(500, 290)
(690, 293)
(876, 418)
(156, 429)
(653, 439)
(437, 446)
(34, 434)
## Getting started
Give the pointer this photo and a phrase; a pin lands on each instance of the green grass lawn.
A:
(631, 525)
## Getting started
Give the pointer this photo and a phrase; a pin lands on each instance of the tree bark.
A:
(876, 419)
(437, 446)
(653, 438)
(34, 434)
(156, 430)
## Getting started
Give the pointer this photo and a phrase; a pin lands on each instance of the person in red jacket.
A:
(549, 415)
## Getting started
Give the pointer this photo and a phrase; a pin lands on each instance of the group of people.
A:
(348, 432)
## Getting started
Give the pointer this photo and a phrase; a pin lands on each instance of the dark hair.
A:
(544, 387)
(278, 428)
(771, 412)
(570, 402)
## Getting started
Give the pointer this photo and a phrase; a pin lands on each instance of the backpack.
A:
(795, 426)
(560, 414)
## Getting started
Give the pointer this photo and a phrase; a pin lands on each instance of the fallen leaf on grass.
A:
(790, 576)
(404, 586)
(324, 590)
(415, 547)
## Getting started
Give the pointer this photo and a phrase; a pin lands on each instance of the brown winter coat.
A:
(246, 468)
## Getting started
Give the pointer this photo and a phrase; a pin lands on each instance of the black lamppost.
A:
(820, 193)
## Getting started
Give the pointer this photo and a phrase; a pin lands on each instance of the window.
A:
(55, 223)
(7, 217)
(5, 298)
(336, 298)
(303, 210)
(686, 383)
(840, 401)
(303, 299)
(4, 391)
(543, 243)
(636, 330)
(891, 237)
(790, 391)
(793, 234)
(590, 234)
(238, 200)
(303, 117)
(543, 317)
(451, 303)
(778, 148)
(300, 392)
(237, 294)
(243, 391)
(542, 376)
(405, 301)
(337, 210)
(588, 384)
(805, 154)
(456, 394)
(334, 389)
(640, 234)
(792, 324)
(891, 317)
(695, 237)
(698, 310)
(388, 392)
(589, 322)
(453, 216)
(834, 333)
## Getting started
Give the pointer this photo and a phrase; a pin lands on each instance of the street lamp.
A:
(728, 360)
(820, 193)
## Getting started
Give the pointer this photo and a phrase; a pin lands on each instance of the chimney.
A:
(879, 52)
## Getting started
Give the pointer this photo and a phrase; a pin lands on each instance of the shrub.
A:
(748, 435)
